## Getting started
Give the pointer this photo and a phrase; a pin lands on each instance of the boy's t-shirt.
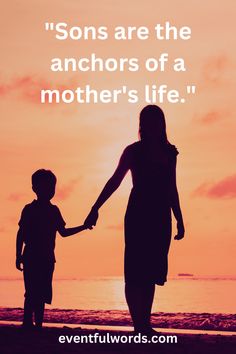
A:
(40, 222)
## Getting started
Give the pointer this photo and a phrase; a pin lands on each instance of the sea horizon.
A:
(186, 294)
(110, 277)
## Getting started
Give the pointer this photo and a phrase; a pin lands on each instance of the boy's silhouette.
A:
(39, 222)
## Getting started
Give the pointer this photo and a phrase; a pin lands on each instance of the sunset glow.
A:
(82, 143)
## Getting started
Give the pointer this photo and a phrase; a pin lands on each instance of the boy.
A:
(40, 220)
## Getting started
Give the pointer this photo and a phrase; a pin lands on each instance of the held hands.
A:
(87, 227)
(19, 261)
(91, 219)
(180, 231)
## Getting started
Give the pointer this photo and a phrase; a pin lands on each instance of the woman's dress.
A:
(148, 215)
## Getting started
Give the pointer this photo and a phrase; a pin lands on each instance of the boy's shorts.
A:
(38, 281)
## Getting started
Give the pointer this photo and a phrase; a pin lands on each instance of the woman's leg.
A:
(139, 298)
(28, 313)
(39, 313)
(148, 296)
(133, 300)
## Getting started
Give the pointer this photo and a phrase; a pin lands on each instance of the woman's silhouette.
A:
(152, 162)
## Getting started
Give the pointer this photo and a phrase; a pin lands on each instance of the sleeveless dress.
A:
(148, 216)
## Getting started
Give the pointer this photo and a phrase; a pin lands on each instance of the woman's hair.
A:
(152, 125)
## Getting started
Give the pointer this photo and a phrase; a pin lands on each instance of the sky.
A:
(82, 143)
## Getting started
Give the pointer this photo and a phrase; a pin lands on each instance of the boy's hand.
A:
(18, 263)
(180, 231)
(90, 227)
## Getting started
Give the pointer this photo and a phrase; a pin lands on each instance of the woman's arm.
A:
(110, 187)
(175, 204)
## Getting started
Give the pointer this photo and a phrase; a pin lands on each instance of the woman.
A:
(152, 162)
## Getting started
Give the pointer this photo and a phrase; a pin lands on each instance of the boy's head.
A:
(44, 184)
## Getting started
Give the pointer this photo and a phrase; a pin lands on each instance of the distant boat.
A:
(185, 275)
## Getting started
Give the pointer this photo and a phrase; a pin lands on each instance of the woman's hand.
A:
(91, 219)
(180, 231)
(19, 261)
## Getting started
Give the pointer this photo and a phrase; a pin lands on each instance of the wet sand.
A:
(181, 320)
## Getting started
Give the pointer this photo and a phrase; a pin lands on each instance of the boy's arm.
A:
(19, 246)
(64, 232)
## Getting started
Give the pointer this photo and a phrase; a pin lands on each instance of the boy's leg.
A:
(28, 304)
(44, 291)
(39, 313)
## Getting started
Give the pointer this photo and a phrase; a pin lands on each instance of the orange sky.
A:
(82, 143)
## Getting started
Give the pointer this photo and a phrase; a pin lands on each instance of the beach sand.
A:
(15, 340)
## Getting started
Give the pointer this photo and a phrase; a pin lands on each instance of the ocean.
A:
(193, 295)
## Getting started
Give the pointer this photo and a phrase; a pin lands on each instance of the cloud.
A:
(28, 87)
(4, 89)
(214, 70)
(225, 188)
(116, 227)
(64, 192)
(213, 116)
(15, 197)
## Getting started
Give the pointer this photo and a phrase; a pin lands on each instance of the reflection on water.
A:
(182, 295)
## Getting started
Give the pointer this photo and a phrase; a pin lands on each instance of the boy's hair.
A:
(43, 177)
